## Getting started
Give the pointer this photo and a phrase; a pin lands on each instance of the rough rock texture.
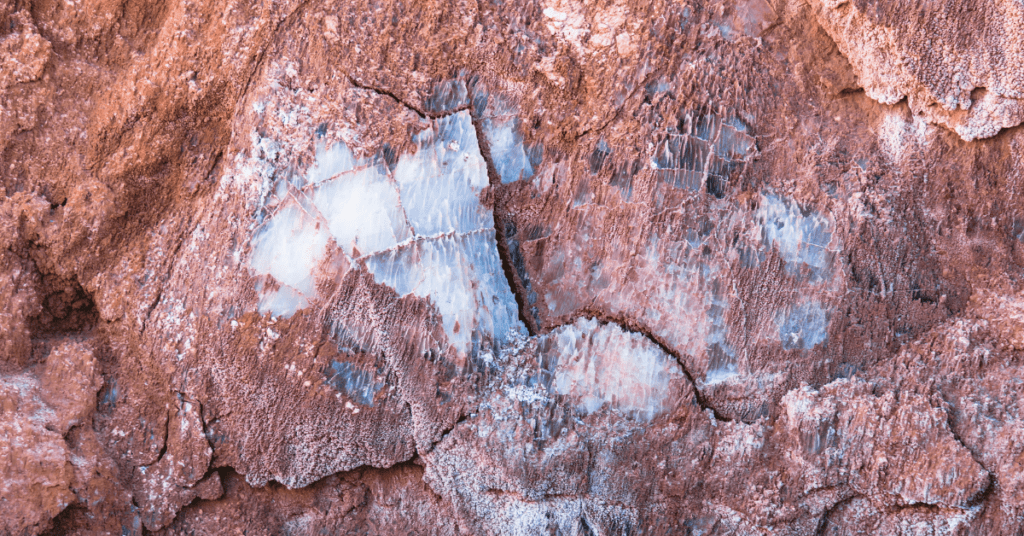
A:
(959, 64)
(40, 468)
(552, 267)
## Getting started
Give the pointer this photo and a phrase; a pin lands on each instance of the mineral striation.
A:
(574, 267)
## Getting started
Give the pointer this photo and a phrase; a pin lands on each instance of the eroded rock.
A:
(510, 268)
(957, 70)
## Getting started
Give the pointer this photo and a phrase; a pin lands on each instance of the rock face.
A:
(560, 267)
(954, 68)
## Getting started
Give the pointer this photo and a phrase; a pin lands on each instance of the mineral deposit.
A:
(519, 267)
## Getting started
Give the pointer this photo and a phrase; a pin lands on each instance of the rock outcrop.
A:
(555, 267)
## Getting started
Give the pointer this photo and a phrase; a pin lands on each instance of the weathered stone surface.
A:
(39, 469)
(530, 267)
(954, 67)
(35, 466)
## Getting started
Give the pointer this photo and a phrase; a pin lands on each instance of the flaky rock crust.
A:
(552, 267)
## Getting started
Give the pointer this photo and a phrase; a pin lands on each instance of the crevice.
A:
(982, 496)
(642, 86)
(584, 527)
(463, 415)
(262, 54)
(152, 306)
(415, 239)
(167, 436)
(424, 114)
(67, 308)
(73, 519)
(210, 175)
(633, 326)
(823, 523)
(928, 507)
(519, 290)
(67, 311)
(500, 228)
(826, 517)
(523, 498)
(168, 274)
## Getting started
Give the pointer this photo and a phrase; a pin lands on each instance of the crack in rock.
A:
(520, 292)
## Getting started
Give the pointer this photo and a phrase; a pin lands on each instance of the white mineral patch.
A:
(362, 210)
(507, 151)
(285, 302)
(420, 230)
(603, 364)
(288, 247)
(440, 184)
(721, 374)
(803, 326)
(801, 239)
(329, 162)
(461, 275)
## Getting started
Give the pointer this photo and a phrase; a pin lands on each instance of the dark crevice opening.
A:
(826, 517)
(424, 114)
(67, 309)
(67, 312)
(74, 519)
(633, 326)
(501, 225)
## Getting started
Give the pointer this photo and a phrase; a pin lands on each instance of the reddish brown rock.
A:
(562, 267)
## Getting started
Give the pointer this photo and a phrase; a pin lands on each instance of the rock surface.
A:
(554, 267)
